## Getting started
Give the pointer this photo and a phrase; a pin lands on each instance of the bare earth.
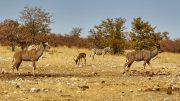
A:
(59, 79)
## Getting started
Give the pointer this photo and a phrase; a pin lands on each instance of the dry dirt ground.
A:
(59, 79)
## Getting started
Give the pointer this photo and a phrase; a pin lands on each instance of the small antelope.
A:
(79, 58)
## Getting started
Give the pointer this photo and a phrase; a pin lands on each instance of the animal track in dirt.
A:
(10, 75)
(147, 73)
(162, 89)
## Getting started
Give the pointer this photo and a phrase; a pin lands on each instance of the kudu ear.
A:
(46, 43)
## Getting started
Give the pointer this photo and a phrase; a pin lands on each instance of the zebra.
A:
(96, 51)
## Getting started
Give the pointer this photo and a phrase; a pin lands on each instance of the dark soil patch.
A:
(23, 75)
(161, 89)
(147, 73)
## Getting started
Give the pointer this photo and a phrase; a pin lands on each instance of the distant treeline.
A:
(171, 45)
(33, 28)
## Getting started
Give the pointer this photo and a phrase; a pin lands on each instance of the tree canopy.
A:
(36, 20)
(34, 26)
(109, 33)
(143, 35)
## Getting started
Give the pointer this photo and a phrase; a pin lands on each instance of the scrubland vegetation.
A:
(57, 76)
(100, 79)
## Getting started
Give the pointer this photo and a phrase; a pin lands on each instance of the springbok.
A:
(79, 58)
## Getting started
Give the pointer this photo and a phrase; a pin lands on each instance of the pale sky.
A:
(164, 14)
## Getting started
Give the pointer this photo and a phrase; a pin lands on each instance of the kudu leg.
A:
(19, 63)
(16, 65)
(144, 65)
(85, 60)
(127, 66)
(34, 67)
(151, 67)
(93, 57)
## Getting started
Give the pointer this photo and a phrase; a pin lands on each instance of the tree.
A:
(143, 35)
(165, 36)
(75, 32)
(109, 33)
(9, 32)
(36, 20)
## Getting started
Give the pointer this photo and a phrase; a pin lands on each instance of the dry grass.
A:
(99, 80)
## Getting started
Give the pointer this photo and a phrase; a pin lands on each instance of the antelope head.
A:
(76, 60)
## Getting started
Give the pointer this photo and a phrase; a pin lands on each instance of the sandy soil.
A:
(99, 80)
